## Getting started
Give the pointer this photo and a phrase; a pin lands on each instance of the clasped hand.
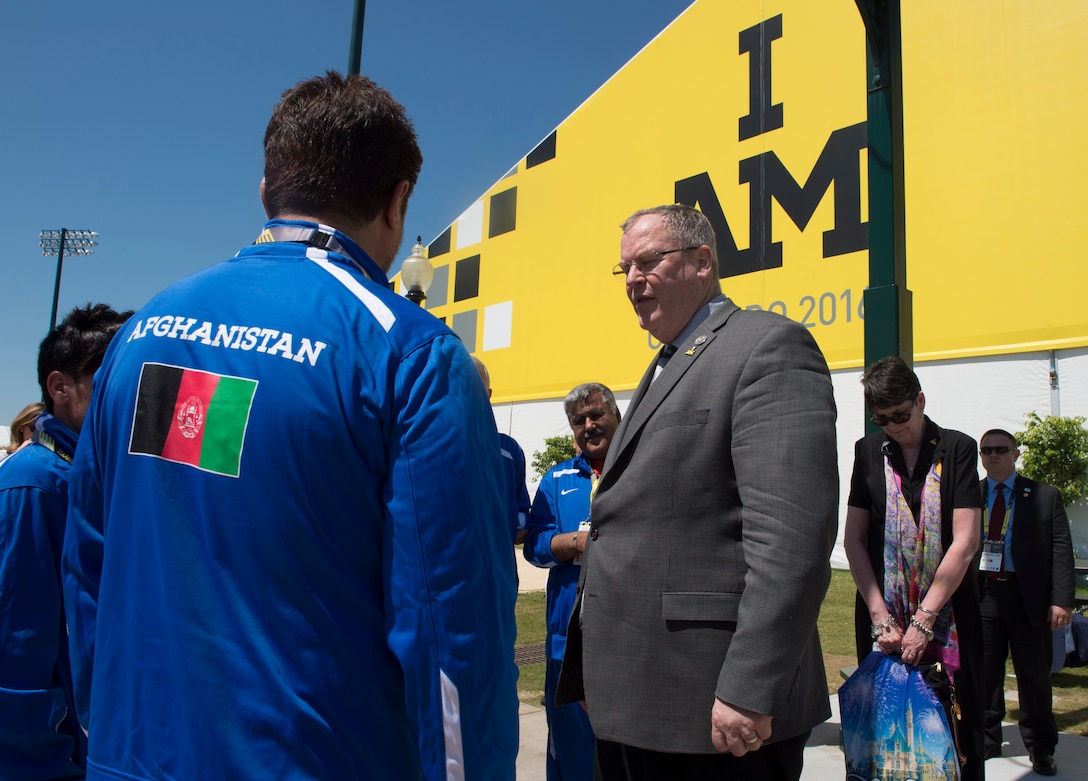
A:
(893, 641)
(737, 730)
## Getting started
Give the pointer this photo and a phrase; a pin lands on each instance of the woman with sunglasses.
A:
(912, 532)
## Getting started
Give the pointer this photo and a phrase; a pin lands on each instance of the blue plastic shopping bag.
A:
(893, 726)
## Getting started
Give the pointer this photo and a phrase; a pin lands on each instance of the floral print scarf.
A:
(912, 553)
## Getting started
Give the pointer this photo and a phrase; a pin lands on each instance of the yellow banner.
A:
(755, 112)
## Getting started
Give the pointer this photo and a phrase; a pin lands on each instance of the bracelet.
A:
(918, 625)
(929, 612)
(574, 542)
(877, 629)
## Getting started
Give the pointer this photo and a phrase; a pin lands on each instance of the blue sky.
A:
(144, 121)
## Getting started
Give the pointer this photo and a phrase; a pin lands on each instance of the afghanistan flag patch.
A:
(192, 417)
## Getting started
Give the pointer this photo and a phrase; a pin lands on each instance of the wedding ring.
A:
(753, 740)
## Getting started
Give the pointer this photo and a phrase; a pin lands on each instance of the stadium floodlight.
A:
(355, 45)
(59, 242)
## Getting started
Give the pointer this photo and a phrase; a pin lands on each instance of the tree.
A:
(1057, 454)
(556, 450)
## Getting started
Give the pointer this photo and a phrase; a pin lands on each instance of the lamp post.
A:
(56, 242)
(416, 274)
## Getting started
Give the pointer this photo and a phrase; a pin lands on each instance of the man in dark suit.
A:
(1026, 587)
(695, 628)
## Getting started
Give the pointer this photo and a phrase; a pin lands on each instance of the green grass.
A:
(837, 638)
(836, 626)
(532, 627)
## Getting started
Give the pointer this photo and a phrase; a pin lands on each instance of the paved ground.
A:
(530, 578)
(823, 757)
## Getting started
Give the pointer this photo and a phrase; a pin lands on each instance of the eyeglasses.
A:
(999, 449)
(646, 264)
(899, 418)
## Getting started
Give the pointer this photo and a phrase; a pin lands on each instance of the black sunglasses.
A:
(999, 449)
(898, 418)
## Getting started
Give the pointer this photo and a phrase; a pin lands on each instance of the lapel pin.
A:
(700, 340)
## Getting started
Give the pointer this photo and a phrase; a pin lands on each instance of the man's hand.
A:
(1059, 616)
(736, 730)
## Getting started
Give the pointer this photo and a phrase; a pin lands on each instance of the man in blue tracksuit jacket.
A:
(513, 462)
(513, 458)
(281, 559)
(558, 528)
(39, 736)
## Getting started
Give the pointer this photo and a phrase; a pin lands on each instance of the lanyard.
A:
(321, 237)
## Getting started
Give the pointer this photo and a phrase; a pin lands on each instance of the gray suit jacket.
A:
(712, 528)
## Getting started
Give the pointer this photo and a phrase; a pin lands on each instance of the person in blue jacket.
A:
(558, 529)
(513, 461)
(338, 609)
(39, 736)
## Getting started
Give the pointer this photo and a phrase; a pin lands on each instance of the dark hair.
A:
(688, 226)
(999, 432)
(78, 344)
(337, 144)
(888, 382)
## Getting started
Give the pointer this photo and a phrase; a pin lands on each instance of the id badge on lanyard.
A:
(993, 551)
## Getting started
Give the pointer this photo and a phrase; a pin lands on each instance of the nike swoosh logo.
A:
(569, 490)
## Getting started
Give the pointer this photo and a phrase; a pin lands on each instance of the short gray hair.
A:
(688, 226)
(587, 390)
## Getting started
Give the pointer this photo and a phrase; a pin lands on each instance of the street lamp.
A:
(56, 243)
(416, 274)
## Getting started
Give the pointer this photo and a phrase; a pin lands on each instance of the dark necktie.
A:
(666, 352)
(997, 516)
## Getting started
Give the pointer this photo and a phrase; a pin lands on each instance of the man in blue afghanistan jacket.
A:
(558, 532)
(281, 554)
(39, 736)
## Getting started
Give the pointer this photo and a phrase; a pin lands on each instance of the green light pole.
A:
(355, 55)
(57, 242)
(889, 326)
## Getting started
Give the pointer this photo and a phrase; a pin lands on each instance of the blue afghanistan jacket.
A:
(561, 504)
(39, 735)
(281, 560)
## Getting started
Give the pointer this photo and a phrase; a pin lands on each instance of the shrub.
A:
(556, 451)
(1057, 454)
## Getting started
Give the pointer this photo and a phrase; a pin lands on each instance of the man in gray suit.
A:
(695, 642)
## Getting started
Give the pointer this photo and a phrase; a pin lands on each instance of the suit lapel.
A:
(651, 393)
(640, 392)
(1021, 541)
(621, 430)
(1021, 521)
